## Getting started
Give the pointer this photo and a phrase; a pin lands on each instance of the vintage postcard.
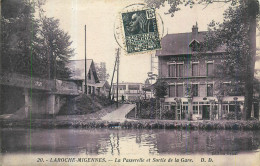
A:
(129, 82)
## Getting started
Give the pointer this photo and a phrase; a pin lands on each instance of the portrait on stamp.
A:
(141, 31)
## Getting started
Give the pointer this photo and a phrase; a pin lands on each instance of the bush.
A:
(168, 114)
(232, 116)
(85, 104)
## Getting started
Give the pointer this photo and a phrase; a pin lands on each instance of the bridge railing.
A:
(23, 81)
(67, 88)
(19, 80)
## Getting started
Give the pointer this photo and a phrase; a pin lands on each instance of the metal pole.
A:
(117, 78)
(86, 88)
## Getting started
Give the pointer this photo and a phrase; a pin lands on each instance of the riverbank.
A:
(137, 124)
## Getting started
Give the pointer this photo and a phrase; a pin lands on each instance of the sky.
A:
(100, 16)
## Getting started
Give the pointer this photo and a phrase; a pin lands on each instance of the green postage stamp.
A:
(141, 31)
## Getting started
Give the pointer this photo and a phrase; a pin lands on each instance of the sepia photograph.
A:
(129, 82)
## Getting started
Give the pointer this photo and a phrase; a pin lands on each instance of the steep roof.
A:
(102, 84)
(77, 68)
(179, 43)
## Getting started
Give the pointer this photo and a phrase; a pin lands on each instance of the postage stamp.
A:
(141, 31)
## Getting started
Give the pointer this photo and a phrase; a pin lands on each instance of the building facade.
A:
(128, 91)
(103, 88)
(77, 68)
(193, 89)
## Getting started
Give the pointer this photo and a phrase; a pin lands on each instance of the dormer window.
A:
(194, 45)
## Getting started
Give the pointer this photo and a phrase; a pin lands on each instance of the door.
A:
(173, 112)
(205, 112)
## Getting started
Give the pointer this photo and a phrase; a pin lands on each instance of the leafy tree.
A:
(237, 33)
(160, 88)
(56, 47)
(33, 46)
(19, 38)
(102, 71)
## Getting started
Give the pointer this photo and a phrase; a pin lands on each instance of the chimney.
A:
(195, 30)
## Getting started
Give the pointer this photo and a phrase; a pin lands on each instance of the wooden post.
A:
(86, 87)
(117, 78)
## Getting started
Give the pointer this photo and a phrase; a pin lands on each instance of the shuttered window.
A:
(179, 70)
(179, 90)
(209, 89)
(172, 91)
(195, 68)
(209, 69)
(171, 70)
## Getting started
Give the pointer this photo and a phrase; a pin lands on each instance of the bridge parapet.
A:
(19, 80)
(66, 88)
(23, 81)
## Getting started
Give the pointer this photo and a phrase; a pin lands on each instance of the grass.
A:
(84, 104)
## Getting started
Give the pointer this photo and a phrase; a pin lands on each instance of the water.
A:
(128, 142)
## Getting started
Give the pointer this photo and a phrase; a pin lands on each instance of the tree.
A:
(30, 46)
(19, 38)
(160, 88)
(56, 47)
(102, 71)
(237, 32)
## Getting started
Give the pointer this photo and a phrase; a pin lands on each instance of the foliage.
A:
(102, 71)
(232, 116)
(233, 34)
(33, 46)
(84, 104)
(160, 88)
(144, 124)
(56, 47)
(19, 38)
(175, 4)
(147, 109)
(237, 34)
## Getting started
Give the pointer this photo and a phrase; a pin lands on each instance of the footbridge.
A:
(21, 93)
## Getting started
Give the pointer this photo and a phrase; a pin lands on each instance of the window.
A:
(133, 87)
(171, 70)
(172, 91)
(225, 109)
(195, 69)
(209, 89)
(132, 97)
(89, 89)
(179, 90)
(200, 109)
(209, 69)
(185, 108)
(179, 69)
(195, 109)
(89, 75)
(194, 89)
(122, 87)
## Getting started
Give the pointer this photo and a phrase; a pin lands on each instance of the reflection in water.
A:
(128, 142)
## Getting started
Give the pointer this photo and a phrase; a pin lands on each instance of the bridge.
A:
(21, 93)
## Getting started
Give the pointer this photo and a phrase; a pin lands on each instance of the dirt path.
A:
(119, 114)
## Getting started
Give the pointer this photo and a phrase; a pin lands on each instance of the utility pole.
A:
(117, 55)
(117, 78)
(86, 88)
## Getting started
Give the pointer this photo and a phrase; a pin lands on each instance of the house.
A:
(77, 68)
(192, 87)
(128, 91)
(103, 88)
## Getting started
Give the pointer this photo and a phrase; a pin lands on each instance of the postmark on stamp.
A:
(141, 31)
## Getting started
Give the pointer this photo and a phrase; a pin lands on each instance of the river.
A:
(118, 142)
